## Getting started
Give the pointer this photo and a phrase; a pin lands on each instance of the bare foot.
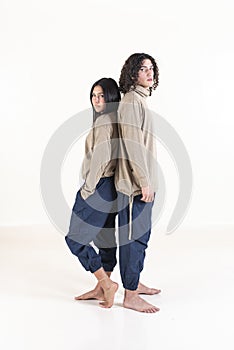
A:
(134, 302)
(109, 289)
(96, 293)
(142, 289)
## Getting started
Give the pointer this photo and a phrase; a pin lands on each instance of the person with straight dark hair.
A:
(94, 211)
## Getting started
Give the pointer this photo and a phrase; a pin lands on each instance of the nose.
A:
(96, 99)
(149, 73)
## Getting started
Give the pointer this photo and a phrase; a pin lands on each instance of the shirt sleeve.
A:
(131, 136)
(100, 157)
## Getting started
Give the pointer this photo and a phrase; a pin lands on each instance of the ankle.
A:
(103, 279)
(130, 293)
(105, 282)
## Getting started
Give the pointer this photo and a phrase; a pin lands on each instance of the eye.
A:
(102, 95)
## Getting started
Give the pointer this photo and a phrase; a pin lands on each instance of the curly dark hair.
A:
(129, 73)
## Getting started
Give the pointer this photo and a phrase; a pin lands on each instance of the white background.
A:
(53, 51)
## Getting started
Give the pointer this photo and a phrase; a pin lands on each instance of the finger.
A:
(149, 198)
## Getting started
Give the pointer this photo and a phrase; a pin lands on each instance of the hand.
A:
(147, 194)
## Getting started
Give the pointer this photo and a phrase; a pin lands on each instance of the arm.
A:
(131, 120)
(100, 157)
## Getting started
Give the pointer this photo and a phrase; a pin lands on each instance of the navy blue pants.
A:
(93, 220)
(132, 252)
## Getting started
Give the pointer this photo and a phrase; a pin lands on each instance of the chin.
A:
(148, 85)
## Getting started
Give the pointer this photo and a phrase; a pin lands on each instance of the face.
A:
(146, 74)
(98, 100)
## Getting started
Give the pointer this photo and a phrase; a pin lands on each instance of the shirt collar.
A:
(142, 91)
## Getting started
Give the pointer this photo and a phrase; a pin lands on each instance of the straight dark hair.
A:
(111, 95)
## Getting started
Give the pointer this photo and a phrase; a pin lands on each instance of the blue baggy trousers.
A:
(93, 220)
(132, 249)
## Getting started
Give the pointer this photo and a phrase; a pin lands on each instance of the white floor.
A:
(39, 277)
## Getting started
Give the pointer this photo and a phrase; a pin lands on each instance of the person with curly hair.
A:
(136, 174)
(94, 211)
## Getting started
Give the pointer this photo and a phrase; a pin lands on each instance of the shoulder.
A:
(104, 125)
(130, 103)
(130, 96)
(105, 120)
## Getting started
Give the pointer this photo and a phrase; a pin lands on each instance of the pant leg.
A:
(87, 256)
(106, 243)
(132, 252)
(106, 240)
(88, 219)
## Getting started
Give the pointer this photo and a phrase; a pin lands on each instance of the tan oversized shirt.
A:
(137, 165)
(101, 151)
